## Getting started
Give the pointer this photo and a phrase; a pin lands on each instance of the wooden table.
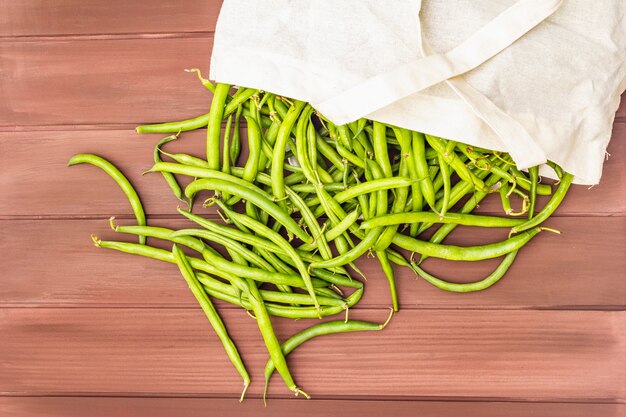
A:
(92, 332)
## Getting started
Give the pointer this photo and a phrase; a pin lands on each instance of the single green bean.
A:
(471, 286)
(331, 327)
(465, 253)
(168, 176)
(214, 126)
(213, 316)
(120, 179)
(430, 217)
(276, 171)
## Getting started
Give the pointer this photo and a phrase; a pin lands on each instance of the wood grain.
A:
(537, 355)
(74, 17)
(55, 263)
(135, 81)
(34, 175)
(197, 407)
(94, 332)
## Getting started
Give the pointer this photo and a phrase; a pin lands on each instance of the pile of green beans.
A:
(310, 198)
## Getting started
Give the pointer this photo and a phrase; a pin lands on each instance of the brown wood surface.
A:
(87, 331)
(86, 191)
(201, 407)
(578, 269)
(525, 354)
(29, 18)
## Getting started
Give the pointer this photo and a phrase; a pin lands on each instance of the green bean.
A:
(214, 286)
(331, 327)
(276, 172)
(248, 238)
(212, 315)
(380, 149)
(542, 189)
(257, 274)
(120, 179)
(263, 230)
(466, 253)
(557, 169)
(269, 337)
(471, 286)
(230, 244)
(254, 154)
(281, 107)
(310, 188)
(239, 100)
(198, 121)
(328, 152)
(290, 312)
(254, 197)
(455, 163)
(337, 230)
(458, 191)
(533, 173)
(230, 232)
(311, 221)
(442, 232)
(398, 205)
(349, 156)
(178, 126)
(363, 246)
(208, 173)
(372, 186)
(505, 191)
(150, 252)
(421, 165)
(217, 265)
(327, 292)
(417, 201)
(430, 217)
(389, 274)
(550, 207)
(344, 136)
(168, 176)
(214, 126)
(445, 175)
(235, 143)
(384, 240)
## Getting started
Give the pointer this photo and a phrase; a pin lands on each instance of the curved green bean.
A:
(120, 179)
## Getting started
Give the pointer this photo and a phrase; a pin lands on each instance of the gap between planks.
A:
(319, 397)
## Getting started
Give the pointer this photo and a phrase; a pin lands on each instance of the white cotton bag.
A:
(540, 79)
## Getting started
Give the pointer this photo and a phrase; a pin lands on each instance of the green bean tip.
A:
(243, 393)
(96, 240)
(112, 223)
(391, 311)
(297, 391)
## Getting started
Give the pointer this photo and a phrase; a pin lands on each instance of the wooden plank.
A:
(135, 81)
(53, 263)
(197, 407)
(74, 17)
(103, 81)
(83, 190)
(34, 164)
(527, 355)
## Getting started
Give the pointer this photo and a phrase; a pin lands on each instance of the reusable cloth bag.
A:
(540, 79)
